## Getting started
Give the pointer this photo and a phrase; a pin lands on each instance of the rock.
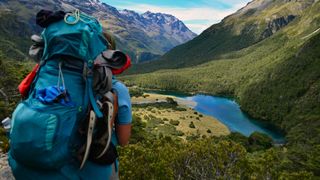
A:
(276, 24)
(5, 170)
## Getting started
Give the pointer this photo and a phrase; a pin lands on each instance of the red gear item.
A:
(24, 86)
(126, 66)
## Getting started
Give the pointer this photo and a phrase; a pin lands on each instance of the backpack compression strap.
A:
(91, 125)
(88, 76)
(111, 109)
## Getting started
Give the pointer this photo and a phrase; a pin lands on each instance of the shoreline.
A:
(230, 97)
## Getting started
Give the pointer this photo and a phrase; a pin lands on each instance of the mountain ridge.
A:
(141, 42)
(247, 26)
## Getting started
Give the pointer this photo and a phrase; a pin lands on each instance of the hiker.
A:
(52, 136)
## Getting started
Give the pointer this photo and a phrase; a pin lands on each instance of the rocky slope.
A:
(143, 36)
(5, 171)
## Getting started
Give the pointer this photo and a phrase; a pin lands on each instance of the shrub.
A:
(146, 95)
(135, 92)
(174, 122)
(180, 133)
(171, 101)
(4, 142)
(146, 117)
(258, 141)
(204, 136)
(191, 125)
(193, 137)
(179, 109)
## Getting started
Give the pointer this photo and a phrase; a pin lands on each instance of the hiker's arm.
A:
(124, 116)
(123, 134)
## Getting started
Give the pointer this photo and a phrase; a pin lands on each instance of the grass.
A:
(176, 121)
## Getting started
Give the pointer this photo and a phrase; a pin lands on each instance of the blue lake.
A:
(229, 113)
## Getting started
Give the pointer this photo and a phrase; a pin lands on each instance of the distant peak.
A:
(165, 18)
(127, 12)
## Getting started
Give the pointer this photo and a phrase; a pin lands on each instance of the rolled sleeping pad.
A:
(114, 59)
(125, 67)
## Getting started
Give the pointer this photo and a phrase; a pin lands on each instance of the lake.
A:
(228, 112)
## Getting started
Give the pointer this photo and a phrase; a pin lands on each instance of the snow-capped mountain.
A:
(144, 36)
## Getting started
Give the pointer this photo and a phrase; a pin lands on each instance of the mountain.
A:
(143, 36)
(252, 24)
(266, 56)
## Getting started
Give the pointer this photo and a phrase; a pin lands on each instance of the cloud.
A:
(206, 16)
(198, 28)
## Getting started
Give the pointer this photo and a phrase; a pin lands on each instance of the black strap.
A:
(45, 17)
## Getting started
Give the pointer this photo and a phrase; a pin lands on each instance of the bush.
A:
(4, 142)
(193, 137)
(209, 131)
(174, 122)
(180, 133)
(258, 141)
(135, 92)
(204, 136)
(191, 125)
(171, 101)
(179, 109)
(146, 117)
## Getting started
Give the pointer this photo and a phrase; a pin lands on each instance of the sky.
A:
(198, 15)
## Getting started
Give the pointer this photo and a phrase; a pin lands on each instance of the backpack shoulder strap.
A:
(88, 76)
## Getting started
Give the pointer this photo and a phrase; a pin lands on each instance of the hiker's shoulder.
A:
(119, 86)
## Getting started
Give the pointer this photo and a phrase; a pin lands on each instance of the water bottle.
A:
(6, 123)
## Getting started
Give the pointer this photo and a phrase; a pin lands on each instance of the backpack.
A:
(66, 97)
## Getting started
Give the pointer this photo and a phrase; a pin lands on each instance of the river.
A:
(228, 112)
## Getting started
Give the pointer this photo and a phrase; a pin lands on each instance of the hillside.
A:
(266, 56)
(255, 22)
(276, 79)
(143, 36)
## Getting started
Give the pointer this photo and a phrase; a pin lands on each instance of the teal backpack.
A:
(45, 125)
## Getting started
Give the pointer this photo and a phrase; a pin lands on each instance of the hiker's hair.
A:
(111, 40)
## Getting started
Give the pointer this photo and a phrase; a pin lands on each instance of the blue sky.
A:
(196, 14)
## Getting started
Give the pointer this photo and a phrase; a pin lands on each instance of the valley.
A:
(263, 60)
(275, 78)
